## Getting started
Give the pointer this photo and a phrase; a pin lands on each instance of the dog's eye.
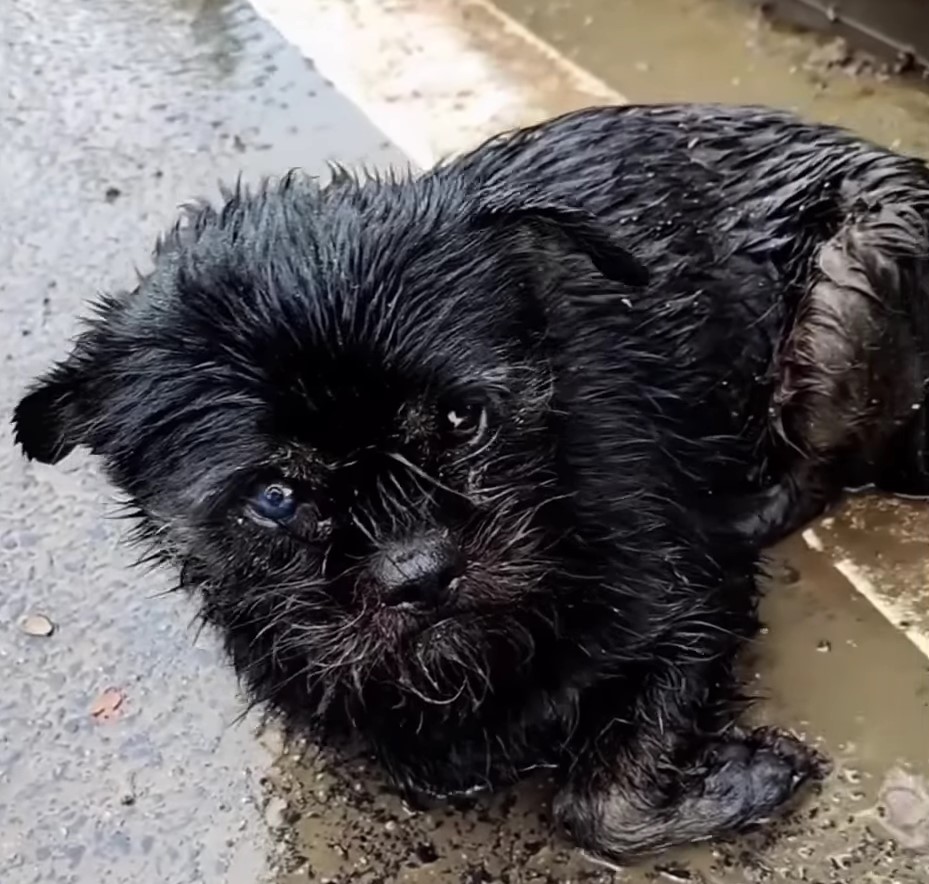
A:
(275, 502)
(464, 422)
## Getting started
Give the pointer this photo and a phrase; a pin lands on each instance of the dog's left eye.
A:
(465, 422)
(274, 502)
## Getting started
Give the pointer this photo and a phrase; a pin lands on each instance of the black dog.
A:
(476, 463)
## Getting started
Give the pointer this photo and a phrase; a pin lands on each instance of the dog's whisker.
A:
(418, 471)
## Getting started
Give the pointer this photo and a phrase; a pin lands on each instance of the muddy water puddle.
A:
(828, 665)
(722, 50)
(885, 539)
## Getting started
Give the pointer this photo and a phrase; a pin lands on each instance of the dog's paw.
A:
(753, 776)
(737, 782)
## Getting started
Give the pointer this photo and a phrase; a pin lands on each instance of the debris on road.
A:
(905, 799)
(37, 625)
(106, 707)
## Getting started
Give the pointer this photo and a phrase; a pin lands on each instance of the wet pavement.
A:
(111, 113)
(721, 50)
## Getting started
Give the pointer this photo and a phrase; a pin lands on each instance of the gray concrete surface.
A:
(112, 112)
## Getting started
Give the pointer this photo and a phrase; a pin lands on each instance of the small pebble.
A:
(674, 873)
(425, 852)
(37, 625)
(824, 647)
(275, 812)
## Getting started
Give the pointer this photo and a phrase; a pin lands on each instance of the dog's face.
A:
(336, 409)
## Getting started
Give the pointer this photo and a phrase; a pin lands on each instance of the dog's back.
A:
(787, 319)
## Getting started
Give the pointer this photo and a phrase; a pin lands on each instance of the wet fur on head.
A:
(299, 331)
(506, 409)
(237, 359)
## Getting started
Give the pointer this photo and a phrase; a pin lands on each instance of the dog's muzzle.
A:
(420, 570)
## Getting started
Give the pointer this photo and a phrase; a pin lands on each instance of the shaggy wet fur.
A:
(475, 463)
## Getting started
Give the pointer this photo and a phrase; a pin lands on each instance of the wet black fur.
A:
(691, 326)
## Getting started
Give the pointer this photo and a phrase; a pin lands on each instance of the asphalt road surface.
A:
(111, 113)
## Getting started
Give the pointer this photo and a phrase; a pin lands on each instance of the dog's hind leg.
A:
(852, 373)
(904, 468)
(804, 492)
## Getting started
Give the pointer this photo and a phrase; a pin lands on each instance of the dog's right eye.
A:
(465, 421)
(274, 502)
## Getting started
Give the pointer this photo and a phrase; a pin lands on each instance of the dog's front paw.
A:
(750, 777)
(736, 782)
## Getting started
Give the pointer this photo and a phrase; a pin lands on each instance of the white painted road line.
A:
(890, 607)
(436, 76)
(892, 611)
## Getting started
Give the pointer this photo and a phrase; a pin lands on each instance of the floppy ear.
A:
(46, 421)
(582, 229)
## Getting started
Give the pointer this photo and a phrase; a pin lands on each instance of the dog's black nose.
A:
(418, 570)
